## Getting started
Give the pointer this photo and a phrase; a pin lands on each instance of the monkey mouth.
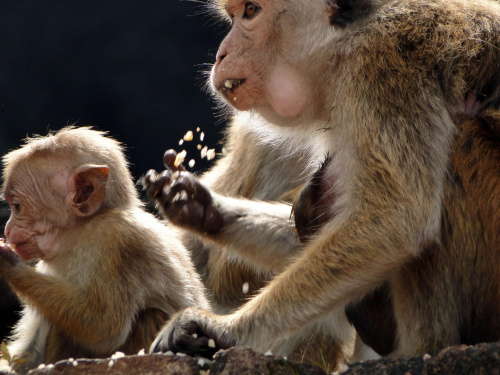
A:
(230, 85)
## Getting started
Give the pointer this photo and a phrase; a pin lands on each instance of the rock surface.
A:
(458, 360)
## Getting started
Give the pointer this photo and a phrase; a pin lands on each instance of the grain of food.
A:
(191, 163)
(181, 141)
(141, 352)
(118, 355)
(202, 136)
(188, 136)
(211, 343)
(204, 152)
(179, 159)
(198, 147)
(245, 288)
(210, 154)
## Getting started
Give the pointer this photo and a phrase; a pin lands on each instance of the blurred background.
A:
(132, 68)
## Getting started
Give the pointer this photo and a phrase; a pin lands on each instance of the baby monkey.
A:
(110, 274)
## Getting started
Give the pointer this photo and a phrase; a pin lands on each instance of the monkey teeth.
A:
(232, 84)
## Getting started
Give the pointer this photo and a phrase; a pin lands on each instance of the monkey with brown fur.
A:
(110, 273)
(396, 88)
(252, 184)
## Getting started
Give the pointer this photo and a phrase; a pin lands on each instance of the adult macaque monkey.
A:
(402, 96)
(110, 273)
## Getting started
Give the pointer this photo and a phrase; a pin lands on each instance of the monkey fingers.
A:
(187, 202)
(154, 183)
(188, 333)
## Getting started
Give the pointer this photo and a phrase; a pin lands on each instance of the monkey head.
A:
(261, 66)
(53, 186)
(39, 213)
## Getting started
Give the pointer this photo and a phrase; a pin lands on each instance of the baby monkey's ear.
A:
(87, 189)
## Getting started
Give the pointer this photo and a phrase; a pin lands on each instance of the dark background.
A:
(130, 67)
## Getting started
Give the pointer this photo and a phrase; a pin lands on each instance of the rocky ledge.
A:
(480, 359)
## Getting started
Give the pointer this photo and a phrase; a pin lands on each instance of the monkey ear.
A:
(87, 189)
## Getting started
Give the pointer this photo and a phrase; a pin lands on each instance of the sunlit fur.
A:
(110, 276)
(391, 89)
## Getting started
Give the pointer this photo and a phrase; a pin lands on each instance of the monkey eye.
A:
(251, 10)
(16, 207)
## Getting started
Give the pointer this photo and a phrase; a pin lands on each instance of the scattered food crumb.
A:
(169, 353)
(211, 343)
(268, 353)
(179, 159)
(210, 154)
(191, 163)
(181, 142)
(245, 288)
(111, 363)
(50, 366)
(202, 136)
(198, 129)
(198, 147)
(201, 362)
(141, 352)
(179, 354)
(74, 363)
(204, 152)
(41, 366)
(426, 357)
(195, 335)
(188, 136)
(118, 355)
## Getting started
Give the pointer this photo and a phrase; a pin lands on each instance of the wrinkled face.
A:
(254, 67)
(33, 224)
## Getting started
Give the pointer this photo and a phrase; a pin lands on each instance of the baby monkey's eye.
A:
(251, 10)
(16, 207)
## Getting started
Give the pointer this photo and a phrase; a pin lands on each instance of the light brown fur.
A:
(383, 88)
(110, 273)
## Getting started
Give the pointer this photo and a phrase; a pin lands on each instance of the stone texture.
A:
(458, 360)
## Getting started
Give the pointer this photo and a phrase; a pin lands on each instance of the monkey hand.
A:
(181, 197)
(194, 332)
(8, 257)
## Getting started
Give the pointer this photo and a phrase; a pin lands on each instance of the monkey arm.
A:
(333, 270)
(263, 232)
(259, 232)
(93, 316)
